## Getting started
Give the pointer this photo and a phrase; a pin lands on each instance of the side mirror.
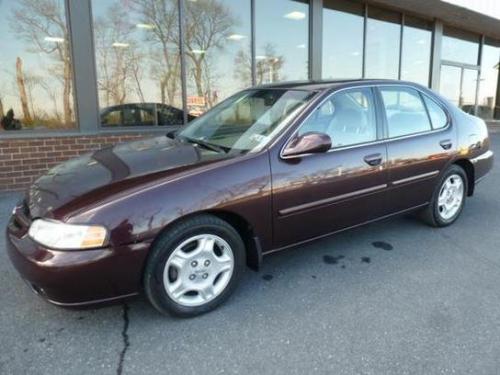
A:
(308, 143)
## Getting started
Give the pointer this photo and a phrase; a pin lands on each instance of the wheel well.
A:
(245, 230)
(468, 167)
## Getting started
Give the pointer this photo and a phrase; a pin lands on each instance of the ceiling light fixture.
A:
(120, 45)
(146, 26)
(236, 37)
(54, 39)
(295, 15)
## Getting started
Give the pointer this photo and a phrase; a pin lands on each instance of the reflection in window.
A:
(382, 44)
(460, 46)
(218, 53)
(138, 62)
(36, 76)
(449, 83)
(488, 105)
(405, 112)
(342, 39)
(282, 40)
(416, 56)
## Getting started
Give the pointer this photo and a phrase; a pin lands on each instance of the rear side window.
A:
(436, 113)
(405, 111)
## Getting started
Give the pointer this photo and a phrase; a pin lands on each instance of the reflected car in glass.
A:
(180, 217)
(142, 114)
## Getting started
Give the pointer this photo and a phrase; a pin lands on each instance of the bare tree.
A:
(42, 23)
(161, 19)
(208, 24)
(2, 113)
(243, 66)
(267, 66)
(21, 85)
(119, 60)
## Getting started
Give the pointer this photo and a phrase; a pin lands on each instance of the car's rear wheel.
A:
(448, 199)
(194, 266)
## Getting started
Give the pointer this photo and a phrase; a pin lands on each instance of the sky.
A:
(489, 7)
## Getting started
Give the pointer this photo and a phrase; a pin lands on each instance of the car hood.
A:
(97, 175)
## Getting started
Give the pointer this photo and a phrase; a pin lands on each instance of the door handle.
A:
(445, 144)
(373, 159)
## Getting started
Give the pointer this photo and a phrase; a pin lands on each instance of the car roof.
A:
(320, 85)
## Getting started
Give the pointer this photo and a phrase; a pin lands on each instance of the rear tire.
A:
(194, 266)
(448, 199)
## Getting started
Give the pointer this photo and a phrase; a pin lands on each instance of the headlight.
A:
(57, 235)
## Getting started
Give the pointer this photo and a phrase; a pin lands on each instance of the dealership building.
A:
(77, 75)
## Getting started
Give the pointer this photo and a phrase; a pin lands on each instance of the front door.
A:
(316, 194)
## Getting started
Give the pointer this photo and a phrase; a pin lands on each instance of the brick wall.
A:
(23, 160)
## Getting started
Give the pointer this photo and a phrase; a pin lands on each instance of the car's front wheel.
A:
(194, 266)
(448, 199)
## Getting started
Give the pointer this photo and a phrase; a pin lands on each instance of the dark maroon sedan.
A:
(179, 217)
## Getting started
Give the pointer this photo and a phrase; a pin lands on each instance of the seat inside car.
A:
(350, 124)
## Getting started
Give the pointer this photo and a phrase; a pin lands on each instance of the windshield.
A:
(246, 121)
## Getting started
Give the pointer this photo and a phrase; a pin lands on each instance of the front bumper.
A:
(77, 277)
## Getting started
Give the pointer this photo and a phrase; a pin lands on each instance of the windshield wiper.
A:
(207, 145)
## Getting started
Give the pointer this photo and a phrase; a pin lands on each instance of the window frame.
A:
(328, 94)
(421, 95)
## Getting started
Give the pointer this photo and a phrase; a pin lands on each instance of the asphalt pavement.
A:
(394, 297)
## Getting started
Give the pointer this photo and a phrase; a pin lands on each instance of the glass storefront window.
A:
(36, 78)
(488, 104)
(416, 51)
(218, 51)
(138, 62)
(459, 46)
(282, 40)
(343, 24)
(382, 44)
(449, 85)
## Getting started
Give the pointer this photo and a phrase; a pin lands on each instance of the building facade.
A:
(80, 74)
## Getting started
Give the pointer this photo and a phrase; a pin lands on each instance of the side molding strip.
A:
(417, 177)
(336, 198)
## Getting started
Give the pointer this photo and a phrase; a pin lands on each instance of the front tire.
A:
(194, 266)
(448, 199)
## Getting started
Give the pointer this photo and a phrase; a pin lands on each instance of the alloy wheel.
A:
(451, 197)
(198, 270)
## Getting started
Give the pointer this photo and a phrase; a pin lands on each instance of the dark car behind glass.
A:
(178, 218)
(143, 114)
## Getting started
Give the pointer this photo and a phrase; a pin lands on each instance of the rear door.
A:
(420, 143)
(321, 193)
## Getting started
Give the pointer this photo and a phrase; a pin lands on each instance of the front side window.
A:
(348, 117)
(246, 121)
(405, 112)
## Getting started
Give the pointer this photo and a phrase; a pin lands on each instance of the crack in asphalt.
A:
(126, 342)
